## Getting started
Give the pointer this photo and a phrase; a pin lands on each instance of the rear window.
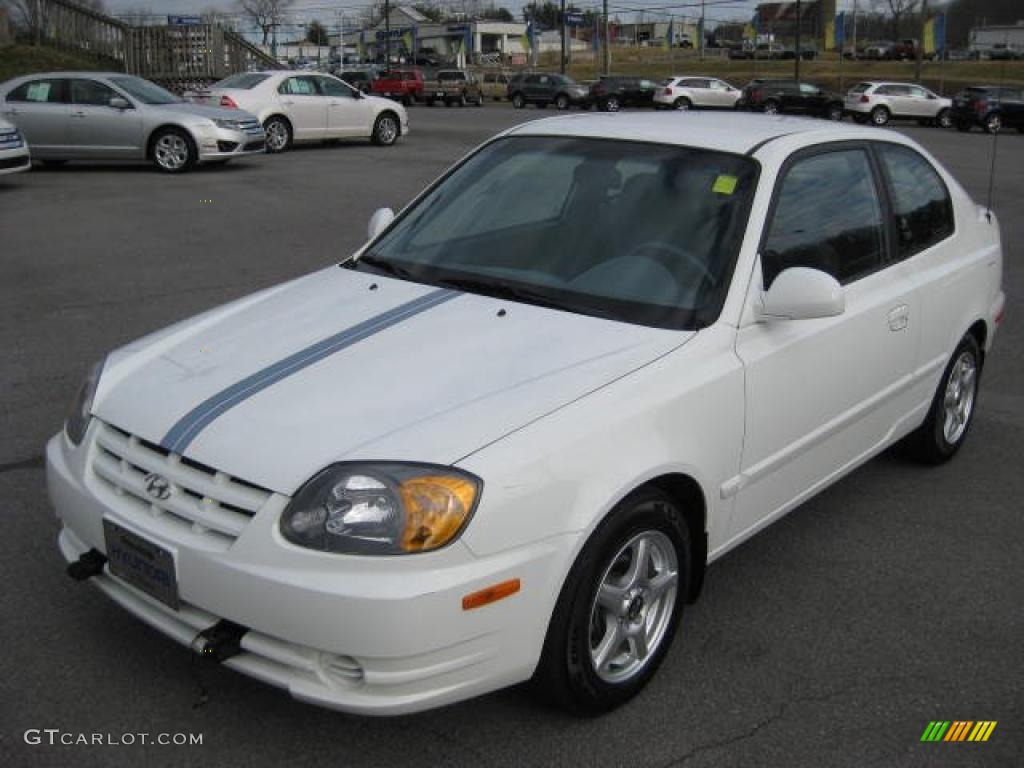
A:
(243, 81)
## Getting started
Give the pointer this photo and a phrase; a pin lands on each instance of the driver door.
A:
(348, 114)
(822, 393)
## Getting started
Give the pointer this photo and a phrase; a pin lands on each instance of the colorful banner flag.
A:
(935, 34)
(749, 33)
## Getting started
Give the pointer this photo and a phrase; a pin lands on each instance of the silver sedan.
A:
(111, 116)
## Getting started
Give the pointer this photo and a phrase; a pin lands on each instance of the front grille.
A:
(14, 162)
(201, 500)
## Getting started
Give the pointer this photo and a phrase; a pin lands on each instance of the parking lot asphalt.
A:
(894, 598)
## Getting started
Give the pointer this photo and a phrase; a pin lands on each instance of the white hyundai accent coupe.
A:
(503, 440)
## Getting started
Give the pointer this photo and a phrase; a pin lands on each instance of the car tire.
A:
(993, 124)
(173, 151)
(518, 102)
(880, 116)
(770, 107)
(479, 100)
(834, 112)
(682, 103)
(386, 129)
(279, 134)
(642, 552)
(944, 119)
(612, 104)
(951, 414)
(561, 102)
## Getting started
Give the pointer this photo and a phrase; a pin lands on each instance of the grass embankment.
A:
(947, 77)
(16, 60)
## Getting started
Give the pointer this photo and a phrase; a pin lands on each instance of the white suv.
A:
(880, 102)
(688, 92)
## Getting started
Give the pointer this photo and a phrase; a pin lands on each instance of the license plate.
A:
(440, 94)
(141, 563)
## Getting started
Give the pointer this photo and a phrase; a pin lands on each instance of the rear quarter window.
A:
(922, 208)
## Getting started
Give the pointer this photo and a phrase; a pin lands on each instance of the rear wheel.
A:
(619, 607)
(770, 107)
(279, 134)
(682, 103)
(518, 101)
(993, 124)
(173, 151)
(562, 101)
(949, 419)
(880, 115)
(612, 104)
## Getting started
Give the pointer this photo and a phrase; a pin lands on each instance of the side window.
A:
(91, 93)
(918, 93)
(298, 86)
(39, 91)
(808, 90)
(331, 87)
(921, 205)
(827, 216)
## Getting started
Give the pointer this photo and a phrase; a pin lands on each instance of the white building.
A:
(984, 39)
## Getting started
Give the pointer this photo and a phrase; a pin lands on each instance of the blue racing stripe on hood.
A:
(192, 423)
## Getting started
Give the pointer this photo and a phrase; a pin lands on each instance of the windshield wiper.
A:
(387, 267)
(501, 291)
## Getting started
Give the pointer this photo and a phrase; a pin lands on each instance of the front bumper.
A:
(358, 634)
(15, 159)
(225, 143)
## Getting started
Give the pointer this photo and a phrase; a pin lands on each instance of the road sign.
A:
(184, 21)
(574, 19)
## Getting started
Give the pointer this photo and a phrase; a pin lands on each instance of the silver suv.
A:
(880, 102)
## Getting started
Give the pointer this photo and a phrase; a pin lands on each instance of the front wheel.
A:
(562, 102)
(518, 101)
(771, 108)
(619, 607)
(385, 130)
(173, 151)
(612, 104)
(949, 419)
(682, 103)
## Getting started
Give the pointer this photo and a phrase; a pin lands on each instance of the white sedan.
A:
(505, 438)
(14, 153)
(689, 92)
(294, 106)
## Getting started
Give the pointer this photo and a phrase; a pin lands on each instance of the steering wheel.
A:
(675, 250)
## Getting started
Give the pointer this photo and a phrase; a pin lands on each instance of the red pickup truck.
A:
(405, 85)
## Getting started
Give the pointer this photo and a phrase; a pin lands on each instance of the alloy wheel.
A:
(277, 135)
(633, 606)
(958, 403)
(171, 152)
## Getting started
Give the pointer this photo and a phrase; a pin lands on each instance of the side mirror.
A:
(119, 103)
(379, 222)
(802, 293)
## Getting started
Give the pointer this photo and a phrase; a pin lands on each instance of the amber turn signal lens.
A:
(490, 595)
(436, 506)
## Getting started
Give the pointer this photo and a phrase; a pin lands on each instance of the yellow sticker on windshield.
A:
(725, 185)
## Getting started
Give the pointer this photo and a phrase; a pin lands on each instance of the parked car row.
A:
(66, 116)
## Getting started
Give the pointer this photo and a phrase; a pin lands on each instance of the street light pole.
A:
(701, 30)
(607, 42)
(799, 23)
(387, 35)
(561, 65)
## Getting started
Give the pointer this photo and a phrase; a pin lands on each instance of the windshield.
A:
(642, 233)
(242, 81)
(145, 91)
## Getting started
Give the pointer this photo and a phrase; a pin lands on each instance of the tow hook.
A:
(87, 565)
(219, 642)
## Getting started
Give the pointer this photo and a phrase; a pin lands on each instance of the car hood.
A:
(202, 110)
(343, 365)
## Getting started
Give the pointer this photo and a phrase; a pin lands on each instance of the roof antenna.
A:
(995, 139)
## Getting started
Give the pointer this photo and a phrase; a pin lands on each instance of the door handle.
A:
(899, 317)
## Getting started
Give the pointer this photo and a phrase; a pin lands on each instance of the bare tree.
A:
(265, 14)
(898, 9)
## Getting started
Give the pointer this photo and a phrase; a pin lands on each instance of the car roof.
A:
(735, 133)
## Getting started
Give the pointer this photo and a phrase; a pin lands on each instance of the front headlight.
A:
(231, 125)
(370, 508)
(81, 407)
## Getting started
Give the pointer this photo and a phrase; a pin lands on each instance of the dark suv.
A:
(992, 107)
(613, 92)
(775, 96)
(541, 88)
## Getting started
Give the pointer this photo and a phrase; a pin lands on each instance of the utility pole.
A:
(607, 42)
(387, 35)
(920, 42)
(853, 51)
(700, 31)
(561, 60)
(273, 38)
(799, 23)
